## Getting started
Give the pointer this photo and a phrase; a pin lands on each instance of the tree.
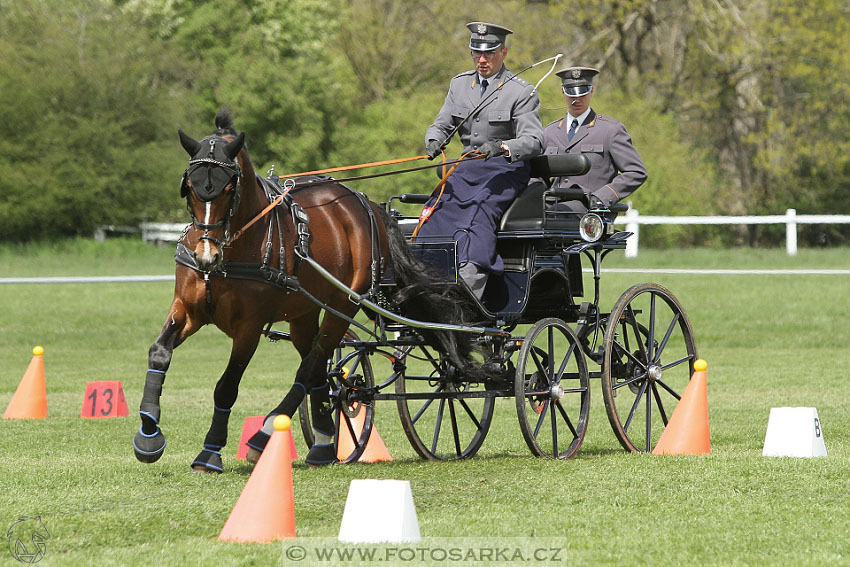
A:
(85, 108)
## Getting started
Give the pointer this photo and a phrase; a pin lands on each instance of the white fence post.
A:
(632, 226)
(791, 232)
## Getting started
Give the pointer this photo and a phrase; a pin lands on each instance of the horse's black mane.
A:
(224, 122)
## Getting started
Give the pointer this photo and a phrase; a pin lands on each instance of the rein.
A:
(260, 215)
(291, 184)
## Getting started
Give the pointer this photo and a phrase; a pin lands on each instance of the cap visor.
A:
(577, 91)
(483, 46)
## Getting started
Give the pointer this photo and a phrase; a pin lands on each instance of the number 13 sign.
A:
(104, 399)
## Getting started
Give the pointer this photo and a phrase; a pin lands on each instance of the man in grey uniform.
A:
(497, 115)
(616, 169)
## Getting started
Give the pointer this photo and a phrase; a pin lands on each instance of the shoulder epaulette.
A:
(465, 73)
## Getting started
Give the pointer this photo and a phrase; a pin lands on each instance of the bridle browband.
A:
(211, 162)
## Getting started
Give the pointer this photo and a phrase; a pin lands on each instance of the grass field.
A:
(770, 340)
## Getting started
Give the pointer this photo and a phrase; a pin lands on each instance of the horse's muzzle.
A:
(207, 255)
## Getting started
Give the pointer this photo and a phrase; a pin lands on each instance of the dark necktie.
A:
(572, 130)
(484, 85)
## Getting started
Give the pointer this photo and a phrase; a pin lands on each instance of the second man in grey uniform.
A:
(616, 169)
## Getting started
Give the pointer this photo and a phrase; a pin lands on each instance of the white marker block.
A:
(794, 432)
(378, 511)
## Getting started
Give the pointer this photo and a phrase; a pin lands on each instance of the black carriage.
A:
(543, 332)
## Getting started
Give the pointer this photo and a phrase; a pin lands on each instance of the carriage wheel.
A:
(450, 417)
(350, 373)
(649, 357)
(552, 389)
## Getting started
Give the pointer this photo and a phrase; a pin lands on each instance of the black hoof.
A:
(258, 441)
(208, 460)
(149, 448)
(321, 455)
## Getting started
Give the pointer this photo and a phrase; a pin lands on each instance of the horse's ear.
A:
(232, 149)
(191, 146)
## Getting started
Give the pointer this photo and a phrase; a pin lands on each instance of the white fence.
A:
(632, 219)
(170, 232)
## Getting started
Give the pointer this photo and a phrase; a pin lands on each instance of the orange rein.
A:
(260, 215)
(358, 166)
(273, 204)
(442, 187)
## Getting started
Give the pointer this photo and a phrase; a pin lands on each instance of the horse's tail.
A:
(420, 295)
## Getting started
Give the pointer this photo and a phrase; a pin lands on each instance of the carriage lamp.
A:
(591, 227)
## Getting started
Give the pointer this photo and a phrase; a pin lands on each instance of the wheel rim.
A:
(552, 390)
(649, 354)
(451, 418)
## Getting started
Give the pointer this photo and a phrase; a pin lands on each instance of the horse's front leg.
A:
(149, 442)
(226, 391)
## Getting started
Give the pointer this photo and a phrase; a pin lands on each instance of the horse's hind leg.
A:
(315, 346)
(226, 391)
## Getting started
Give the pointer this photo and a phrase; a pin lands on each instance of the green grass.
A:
(770, 340)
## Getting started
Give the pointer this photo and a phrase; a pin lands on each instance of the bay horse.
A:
(245, 280)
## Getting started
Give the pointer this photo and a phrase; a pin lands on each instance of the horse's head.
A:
(211, 188)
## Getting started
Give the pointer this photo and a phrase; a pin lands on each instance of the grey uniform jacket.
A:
(616, 169)
(511, 115)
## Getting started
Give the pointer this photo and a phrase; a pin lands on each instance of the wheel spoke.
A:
(672, 392)
(541, 418)
(535, 352)
(437, 425)
(347, 420)
(455, 433)
(556, 378)
(550, 354)
(675, 363)
(648, 420)
(650, 341)
(633, 324)
(660, 404)
(667, 336)
(635, 405)
(471, 415)
(567, 419)
(624, 350)
(554, 433)
(628, 382)
(424, 407)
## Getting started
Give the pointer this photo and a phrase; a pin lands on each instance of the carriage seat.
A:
(527, 210)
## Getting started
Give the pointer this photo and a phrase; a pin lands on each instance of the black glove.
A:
(432, 148)
(595, 202)
(491, 149)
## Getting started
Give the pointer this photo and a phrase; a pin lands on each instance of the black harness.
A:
(265, 272)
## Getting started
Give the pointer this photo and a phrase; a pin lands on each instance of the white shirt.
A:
(580, 118)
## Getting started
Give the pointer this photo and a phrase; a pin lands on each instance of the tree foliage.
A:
(736, 107)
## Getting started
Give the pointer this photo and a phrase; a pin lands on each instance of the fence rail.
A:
(632, 219)
(170, 232)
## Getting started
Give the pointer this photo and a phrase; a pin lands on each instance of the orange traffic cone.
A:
(265, 510)
(375, 451)
(30, 399)
(687, 431)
